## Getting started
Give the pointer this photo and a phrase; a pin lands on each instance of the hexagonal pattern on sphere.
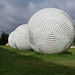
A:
(50, 31)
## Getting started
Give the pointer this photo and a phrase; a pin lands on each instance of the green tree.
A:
(4, 38)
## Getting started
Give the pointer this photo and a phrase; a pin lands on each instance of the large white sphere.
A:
(11, 40)
(21, 37)
(50, 31)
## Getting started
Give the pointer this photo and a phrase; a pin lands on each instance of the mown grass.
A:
(17, 62)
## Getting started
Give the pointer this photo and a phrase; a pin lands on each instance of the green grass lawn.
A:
(17, 62)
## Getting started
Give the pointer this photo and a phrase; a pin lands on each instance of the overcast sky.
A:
(16, 12)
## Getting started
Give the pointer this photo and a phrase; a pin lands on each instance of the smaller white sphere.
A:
(11, 40)
(21, 37)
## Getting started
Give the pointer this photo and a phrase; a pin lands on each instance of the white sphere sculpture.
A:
(50, 31)
(11, 40)
(20, 37)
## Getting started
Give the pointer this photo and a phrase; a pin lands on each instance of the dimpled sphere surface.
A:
(50, 31)
(21, 37)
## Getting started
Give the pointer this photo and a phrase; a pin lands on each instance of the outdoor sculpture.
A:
(11, 40)
(50, 31)
(20, 38)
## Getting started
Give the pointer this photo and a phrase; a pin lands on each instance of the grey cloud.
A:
(16, 12)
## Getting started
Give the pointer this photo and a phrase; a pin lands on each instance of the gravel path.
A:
(72, 47)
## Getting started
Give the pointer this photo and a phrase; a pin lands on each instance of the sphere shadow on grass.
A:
(64, 52)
